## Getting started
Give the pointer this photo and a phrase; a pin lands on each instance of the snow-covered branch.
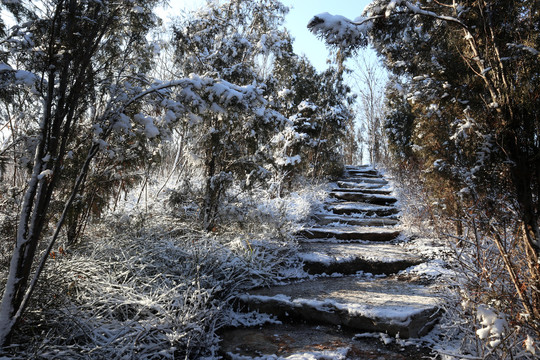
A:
(340, 31)
(416, 10)
(344, 33)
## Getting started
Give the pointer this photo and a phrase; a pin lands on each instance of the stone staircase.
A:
(353, 255)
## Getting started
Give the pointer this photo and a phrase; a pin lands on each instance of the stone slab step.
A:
(363, 170)
(361, 166)
(345, 184)
(348, 259)
(362, 208)
(368, 198)
(373, 305)
(325, 219)
(365, 180)
(350, 233)
(364, 191)
(308, 341)
(367, 174)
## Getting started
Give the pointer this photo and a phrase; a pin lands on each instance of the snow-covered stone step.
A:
(313, 341)
(362, 208)
(368, 198)
(362, 166)
(349, 233)
(363, 190)
(362, 170)
(373, 305)
(365, 180)
(347, 259)
(367, 174)
(326, 219)
(355, 185)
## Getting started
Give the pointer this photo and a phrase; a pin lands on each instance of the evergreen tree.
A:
(92, 115)
(471, 69)
(60, 60)
(231, 145)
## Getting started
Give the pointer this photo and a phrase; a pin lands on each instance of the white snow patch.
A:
(319, 257)
(26, 78)
(335, 354)
(5, 67)
(122, 123)
(338, 30)
(150, 129)
(529, 345)
(494, 327)
(432, 269)
(237, 319)
(45, 173)
(289, 160)
(394, 314)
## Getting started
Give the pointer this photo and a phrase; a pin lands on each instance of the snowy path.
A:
(352, 254)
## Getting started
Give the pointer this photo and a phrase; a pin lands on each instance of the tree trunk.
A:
(28, 231)
(211, 196)
(523, 178)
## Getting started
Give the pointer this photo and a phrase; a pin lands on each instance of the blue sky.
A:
(303, 10)
(297, 19)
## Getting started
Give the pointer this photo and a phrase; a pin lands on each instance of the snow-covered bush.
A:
(487, 315)
(260, 211)
(492, 281)
(145, 282)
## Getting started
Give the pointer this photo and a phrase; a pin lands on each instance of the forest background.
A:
(132, 159)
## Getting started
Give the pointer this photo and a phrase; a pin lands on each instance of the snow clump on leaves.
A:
(339, 31)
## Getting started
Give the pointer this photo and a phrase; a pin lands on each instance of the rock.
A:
(362, 208)
(350, 233)
(362, 171)
(358, 167)
(360, 196)
(348, 259)
(366, 180)
(355, 185)
(326, 219)
(364, 191)
(367, 174)
(375, 305)
(319, 341)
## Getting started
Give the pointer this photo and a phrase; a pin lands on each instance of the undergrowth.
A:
(484, 318)
(150, 285)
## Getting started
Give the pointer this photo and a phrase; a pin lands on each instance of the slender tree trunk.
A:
(58, 113)
(26, 241)
(523, 179)
(212, 184)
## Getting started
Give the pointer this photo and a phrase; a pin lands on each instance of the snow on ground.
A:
(362, 185)
(435, 251)
(431, 269)
(344, 229)
(394, 314)
(391, 308)
(335, 354)
(325, 258)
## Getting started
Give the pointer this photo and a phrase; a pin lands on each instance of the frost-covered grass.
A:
(150, 285)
